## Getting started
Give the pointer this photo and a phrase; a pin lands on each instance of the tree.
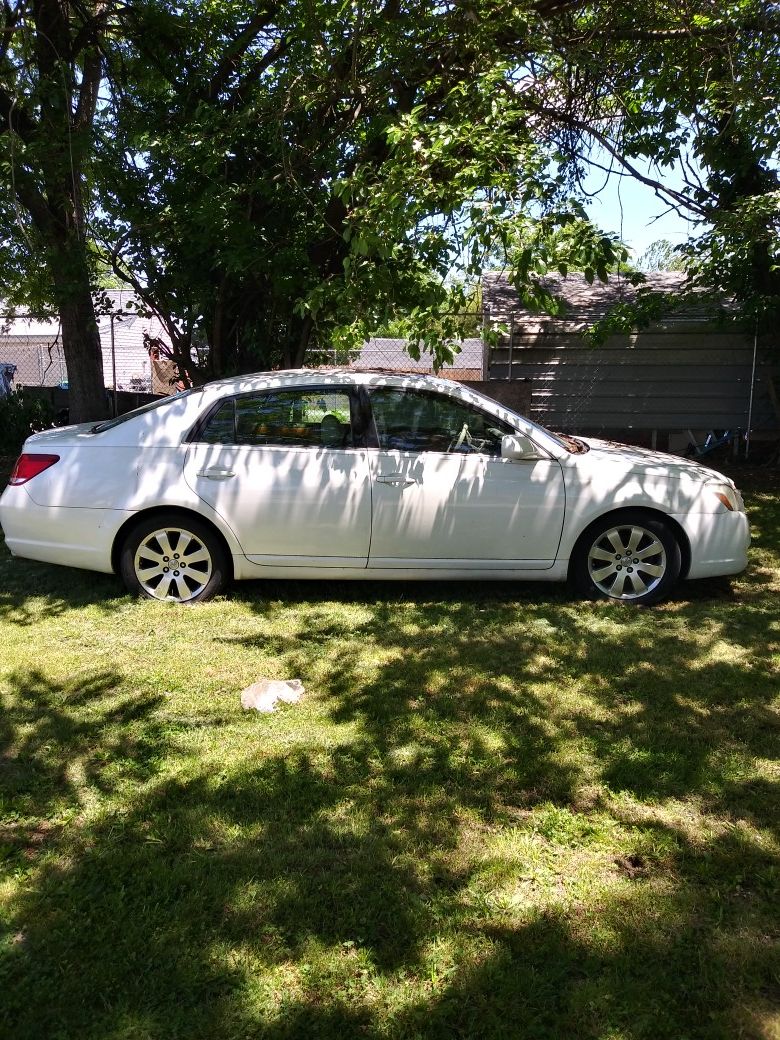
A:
(661, 255)
(51, 66)
(691, 85)
(305, 175)
(275, 180)
(302, 176)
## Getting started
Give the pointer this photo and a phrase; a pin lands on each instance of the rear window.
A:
(151, 407)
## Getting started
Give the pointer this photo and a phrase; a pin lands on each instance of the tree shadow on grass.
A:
(651, 961)
(163, 907)
(31, 591)
(306, 893)
(61, 743)
(667, 705)
(244, 906)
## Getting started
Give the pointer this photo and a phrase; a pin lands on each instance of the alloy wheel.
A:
(627, 562)
(172, 564)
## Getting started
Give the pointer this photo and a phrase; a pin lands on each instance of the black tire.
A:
(151, 560)
(604, 568)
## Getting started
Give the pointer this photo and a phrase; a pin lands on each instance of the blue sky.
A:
(631, 210)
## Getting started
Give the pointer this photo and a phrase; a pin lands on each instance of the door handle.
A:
(217, 474)
(394, 479)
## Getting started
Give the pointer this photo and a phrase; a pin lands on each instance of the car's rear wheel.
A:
(173, 558)
(634, 558)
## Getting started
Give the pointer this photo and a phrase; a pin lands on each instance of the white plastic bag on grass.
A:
(264, 695)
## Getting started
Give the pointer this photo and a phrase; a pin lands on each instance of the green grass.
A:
(497, 812)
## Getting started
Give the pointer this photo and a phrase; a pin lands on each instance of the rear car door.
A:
(283, 469)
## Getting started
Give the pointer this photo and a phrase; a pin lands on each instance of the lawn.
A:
(497, 811)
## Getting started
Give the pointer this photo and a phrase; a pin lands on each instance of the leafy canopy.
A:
(280, 179)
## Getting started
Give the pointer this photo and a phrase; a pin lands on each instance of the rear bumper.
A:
(55, 534)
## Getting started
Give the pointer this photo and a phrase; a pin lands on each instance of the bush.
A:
(20, 415)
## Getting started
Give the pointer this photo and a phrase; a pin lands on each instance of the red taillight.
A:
(29, 466)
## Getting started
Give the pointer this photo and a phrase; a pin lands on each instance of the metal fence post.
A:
(752, 392)
(485, 345)
(510, 355)
(113, 367)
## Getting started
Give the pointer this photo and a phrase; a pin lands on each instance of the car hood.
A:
(635, 459)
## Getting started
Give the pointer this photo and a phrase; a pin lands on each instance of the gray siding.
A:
(688, 372)
(660, 379)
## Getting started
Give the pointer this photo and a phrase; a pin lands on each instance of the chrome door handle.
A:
(217, 474)
(394, 479)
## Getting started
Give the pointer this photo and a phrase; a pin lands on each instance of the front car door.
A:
(443, 498)
(283, 468)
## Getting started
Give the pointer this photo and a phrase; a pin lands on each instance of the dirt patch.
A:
(633, 866)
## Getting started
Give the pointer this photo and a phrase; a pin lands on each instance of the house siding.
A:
(682, 374)
(665, 382)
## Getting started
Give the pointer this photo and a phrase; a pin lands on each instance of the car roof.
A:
(346, 377)
(318, 376)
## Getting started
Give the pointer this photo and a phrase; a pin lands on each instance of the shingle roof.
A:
(583, 303)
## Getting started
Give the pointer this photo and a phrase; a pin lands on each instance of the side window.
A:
(310, 418)
(417, 420)
(221, 427)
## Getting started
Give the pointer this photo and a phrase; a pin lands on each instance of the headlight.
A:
(727, 495)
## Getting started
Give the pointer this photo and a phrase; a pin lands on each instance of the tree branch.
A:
(567, 119)
(694, 32)
(233, 54)
(257, 70)
(14, 119)
(91, 76)
(34, 202)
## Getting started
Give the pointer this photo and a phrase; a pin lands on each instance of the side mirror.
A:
(517, 446)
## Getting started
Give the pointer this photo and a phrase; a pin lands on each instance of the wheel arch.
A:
(145, 514)
(648, 511)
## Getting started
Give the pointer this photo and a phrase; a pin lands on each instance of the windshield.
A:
(150, 407)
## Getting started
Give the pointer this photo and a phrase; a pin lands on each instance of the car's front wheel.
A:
(173, 558)
(634, 558)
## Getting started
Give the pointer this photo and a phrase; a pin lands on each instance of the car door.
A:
(282, 468)
(444, 498)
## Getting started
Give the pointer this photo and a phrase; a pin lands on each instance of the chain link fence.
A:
(391, 354)
(34, 359)
(31, 349)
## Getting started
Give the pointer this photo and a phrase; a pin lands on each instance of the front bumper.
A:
(719, 543)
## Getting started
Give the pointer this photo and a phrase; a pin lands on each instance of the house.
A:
(686, 372)
(468, 366)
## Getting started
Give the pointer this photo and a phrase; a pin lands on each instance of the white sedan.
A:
(362, 475)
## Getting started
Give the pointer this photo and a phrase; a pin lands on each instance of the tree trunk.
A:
(80, 334)
(69, 75)
(299, 354)
(84, 358)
